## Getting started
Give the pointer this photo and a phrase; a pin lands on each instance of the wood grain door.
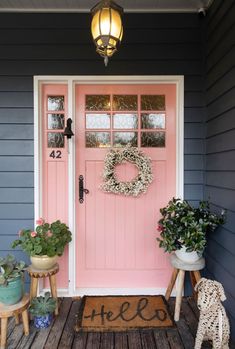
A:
(116, 235)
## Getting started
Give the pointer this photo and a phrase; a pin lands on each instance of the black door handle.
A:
(82, 190)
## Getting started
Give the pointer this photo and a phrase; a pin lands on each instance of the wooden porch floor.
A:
(60, 335)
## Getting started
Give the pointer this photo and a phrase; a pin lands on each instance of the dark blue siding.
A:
(220, 144)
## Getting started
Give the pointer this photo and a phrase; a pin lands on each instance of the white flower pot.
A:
(43, 262)
(188, 257)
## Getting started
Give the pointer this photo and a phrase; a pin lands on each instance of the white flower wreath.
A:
(139, 184)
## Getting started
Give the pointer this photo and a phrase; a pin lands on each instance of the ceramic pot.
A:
(188, 257)
(13, 292)
(43, 262)
(43, 321)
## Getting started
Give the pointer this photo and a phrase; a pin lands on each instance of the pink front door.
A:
(116, 235)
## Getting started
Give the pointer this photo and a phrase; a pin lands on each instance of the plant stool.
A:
(180, 268)
(15, 310)
(36, 274)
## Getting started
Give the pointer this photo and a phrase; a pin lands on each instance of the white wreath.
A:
(139, 184)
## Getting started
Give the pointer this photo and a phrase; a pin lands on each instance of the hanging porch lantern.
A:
(106, 27)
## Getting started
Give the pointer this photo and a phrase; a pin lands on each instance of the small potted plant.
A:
(183, 228)
(42, 309)
(11, 280)
(45, 244)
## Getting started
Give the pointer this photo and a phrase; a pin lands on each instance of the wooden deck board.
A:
(58, 326)
(61, 335)
(147, 340)
(183, 328)
(134, 340)
(120, 339)
(107, 341)
(80, 340)
(161, 339)
(67, 337)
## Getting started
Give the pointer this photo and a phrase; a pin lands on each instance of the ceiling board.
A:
(86, 5)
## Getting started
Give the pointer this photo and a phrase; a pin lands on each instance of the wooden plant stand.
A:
(179, 270)
(15, 310)
(36, 274)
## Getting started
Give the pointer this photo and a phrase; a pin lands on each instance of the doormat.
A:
(122, 313)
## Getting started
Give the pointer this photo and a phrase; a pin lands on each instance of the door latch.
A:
(82, 190)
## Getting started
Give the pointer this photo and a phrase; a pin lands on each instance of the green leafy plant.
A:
(184, 225)
(41, 306)
(10, 269)
(47, 239)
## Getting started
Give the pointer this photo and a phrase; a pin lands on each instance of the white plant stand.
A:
(178, 273)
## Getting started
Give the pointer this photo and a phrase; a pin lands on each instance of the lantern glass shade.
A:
(106, 27)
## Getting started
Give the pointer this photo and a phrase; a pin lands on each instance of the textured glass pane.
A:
(125, 102)
(97, 139)
(121, 139)
(55, 140)
(125, 121)
(152, 102)
(55, 121)
(152, 139)
(97, 120)
(55, 103)
(97, 102)
(152, 120)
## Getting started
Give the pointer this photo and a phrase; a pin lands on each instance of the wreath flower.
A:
(139, 184)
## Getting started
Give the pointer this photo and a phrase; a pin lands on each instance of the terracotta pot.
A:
(188, 257)
(43, 262)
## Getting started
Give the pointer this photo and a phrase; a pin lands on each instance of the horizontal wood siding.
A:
(61, 44)
(220, 144)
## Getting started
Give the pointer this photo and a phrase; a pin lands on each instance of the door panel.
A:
(55, 163)
(116, 235)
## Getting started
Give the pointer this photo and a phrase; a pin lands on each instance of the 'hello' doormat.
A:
(122, 313)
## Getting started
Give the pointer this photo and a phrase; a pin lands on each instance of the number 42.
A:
(55, 154)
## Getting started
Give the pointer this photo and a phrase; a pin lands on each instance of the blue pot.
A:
(13, 292)
(43, 321)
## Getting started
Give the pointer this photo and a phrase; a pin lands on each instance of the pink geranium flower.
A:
(40, 221)
(49, 234)
(33, 234)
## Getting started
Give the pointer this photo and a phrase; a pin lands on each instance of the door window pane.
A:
(55, 140)
(152, 139)
(55, 103)
(98, 121)
(55, 121)
(121, 139)
(97, 139)
(98, 102)
(152, 102)
(151, 120)
(125, 121)
(125, 102)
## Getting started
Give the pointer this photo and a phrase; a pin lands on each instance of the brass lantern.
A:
(106, 27)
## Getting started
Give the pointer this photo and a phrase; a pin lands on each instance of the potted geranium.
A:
(183, 228)
(45, 244)
(11, 280)
(42, 309)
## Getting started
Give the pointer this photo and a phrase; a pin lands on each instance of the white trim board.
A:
(80, 292)
(71, 81)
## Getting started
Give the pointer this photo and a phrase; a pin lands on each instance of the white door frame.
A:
(71, 81)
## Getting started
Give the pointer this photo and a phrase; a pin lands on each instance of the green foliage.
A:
(10, 269)
(182, 224)
(48, 239)
(41, 306)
